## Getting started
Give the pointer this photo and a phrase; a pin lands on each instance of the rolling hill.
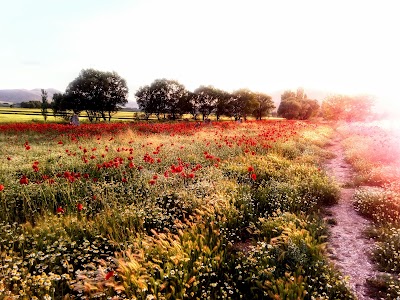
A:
(20, 95)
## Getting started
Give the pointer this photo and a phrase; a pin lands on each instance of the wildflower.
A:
(250, 169)
(254, 176)
(60, 143)
(191, 175)
(109, 275)
(8, 158)
(79, 206)
(152, 182)
(24, 180)
(1, 187)
(60, 210)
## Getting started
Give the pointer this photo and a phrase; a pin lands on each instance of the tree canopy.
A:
(98, 93)
(170, 98)
(163, 96)
(347, 108)
(295, 105)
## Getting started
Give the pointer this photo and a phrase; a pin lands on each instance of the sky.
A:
(347, 47)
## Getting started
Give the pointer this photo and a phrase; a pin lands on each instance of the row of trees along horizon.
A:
(101, 94)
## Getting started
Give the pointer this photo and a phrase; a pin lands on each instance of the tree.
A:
(174, 94)
(288, 94)
(44, 104)
(192, 104)
(347, 108)
(144, 101)
(97, 93)
(297, 106)
(264, 105)
(207, 97)
(244, 103)
(163, 96)
(289, 108)
(60, 106)
(223, 106)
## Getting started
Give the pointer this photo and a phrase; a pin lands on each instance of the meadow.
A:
(374, 152)
(17, 115)
(166, 211)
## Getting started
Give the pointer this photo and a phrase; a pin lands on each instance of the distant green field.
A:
(34, 115)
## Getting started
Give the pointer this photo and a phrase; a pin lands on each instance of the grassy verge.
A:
(374, 153)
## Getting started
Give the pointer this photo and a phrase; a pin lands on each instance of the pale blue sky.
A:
(340, 46)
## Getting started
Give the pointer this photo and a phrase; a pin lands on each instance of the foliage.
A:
(348, 108)
(297, 106)
(244, 103)
(98, 93)
(264, 107)
(207, 99)
(163, 97)
(169, 98)
(31, 104)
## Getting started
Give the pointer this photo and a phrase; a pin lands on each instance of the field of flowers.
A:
(165, 211)
(374, 152)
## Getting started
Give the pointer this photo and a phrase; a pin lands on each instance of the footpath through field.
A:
(348, 248)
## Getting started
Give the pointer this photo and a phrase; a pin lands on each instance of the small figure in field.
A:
(74, 120)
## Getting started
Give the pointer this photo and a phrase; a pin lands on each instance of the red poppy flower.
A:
(79, 206)
(1, 187)
(250, 169)
(60, 210)
(24, 180)
(152, 182)
(109, 275)
(254, 176)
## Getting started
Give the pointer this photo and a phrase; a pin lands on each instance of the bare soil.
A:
(348, 248)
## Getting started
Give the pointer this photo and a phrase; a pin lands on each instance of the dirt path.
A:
(347, 247)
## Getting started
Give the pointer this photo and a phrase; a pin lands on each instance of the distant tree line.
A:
(296, 105)
(170, 99)
(33, 104)
(101, 94)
